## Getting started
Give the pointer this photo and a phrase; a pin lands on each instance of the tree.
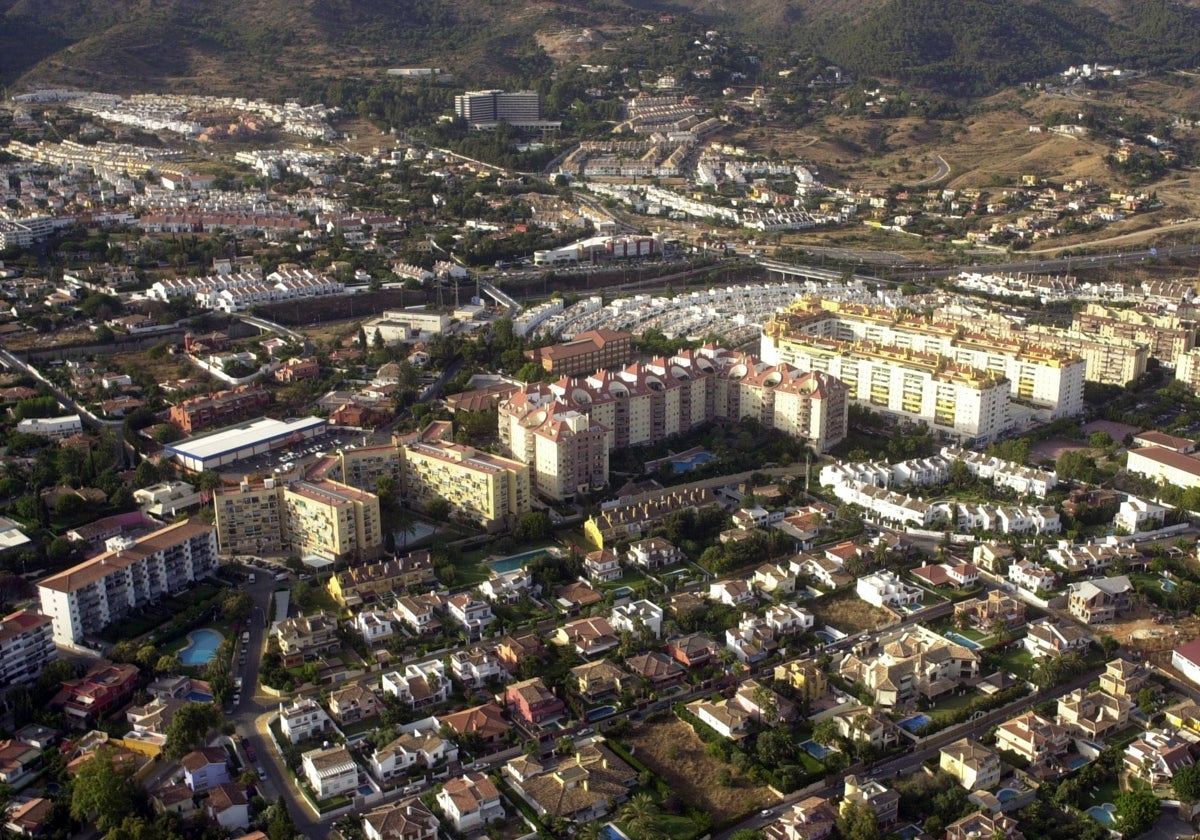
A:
(187, 729)
(280, 826)
(1187, 783)
(532, 526)
(1137, 811)
(102, 792)
(1145, 700)
(237, 607)
(857, 821)
(825, 732)
(640, 815)
(438, 509)
(167, 664)
(146, 474)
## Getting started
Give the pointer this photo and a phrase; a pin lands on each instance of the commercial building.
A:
(323, 517)
(587, 352)
(1163, 464)
(26, 645)
(964, 385)
(55, 428)
(406, 324)
(228, 446)
(1167, 335)
(131, 574)
(486, 489)
(219, 408)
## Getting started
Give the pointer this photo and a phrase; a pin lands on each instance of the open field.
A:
(672, 750)
(848, 613)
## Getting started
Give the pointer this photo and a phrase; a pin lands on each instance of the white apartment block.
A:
(958, 382)
(131, 574)
(26, 646)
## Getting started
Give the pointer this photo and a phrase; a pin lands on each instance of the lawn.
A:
(847, 612)
(673, 751)
(942, 710)
(1018, 661)
(1107, 792)
(669, 826)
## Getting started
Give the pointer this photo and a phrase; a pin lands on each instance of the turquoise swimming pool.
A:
(516, 561)
(688, 464)
(1103, 814)
(203, 647)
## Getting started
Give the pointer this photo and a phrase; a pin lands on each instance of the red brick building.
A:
(587, 353)
(220, 408)
(293, 370)
(101, 691)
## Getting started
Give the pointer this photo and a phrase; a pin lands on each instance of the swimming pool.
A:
(202, 647)
(963, 640)
(599, 712)
(824, 636)
(690, 463)
(198, 697)
(915, 723)
(1103, 814)
(1005, 794)
(1077, 762)
(622, 592)
(1168, 585)
(817, 751)
(909, 832)
(516, 561)
(608, 831)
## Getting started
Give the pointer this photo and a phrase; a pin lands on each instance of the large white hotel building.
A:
(966, 386)
(86, 598)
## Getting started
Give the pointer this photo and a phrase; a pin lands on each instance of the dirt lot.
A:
(1141, 635)
(1049, 450)
(849, 613)
(672, 750)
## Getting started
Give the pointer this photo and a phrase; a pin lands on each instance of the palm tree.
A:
(588, 831)
(639, 815)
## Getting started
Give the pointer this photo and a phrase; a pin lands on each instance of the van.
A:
(245, 637)
(252, 578)
(281, 576)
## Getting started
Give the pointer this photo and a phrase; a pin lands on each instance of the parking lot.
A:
(289, 457)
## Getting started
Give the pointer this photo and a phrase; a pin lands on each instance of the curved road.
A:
(943, 170)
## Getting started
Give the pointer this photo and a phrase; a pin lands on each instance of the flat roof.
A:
(233, 438)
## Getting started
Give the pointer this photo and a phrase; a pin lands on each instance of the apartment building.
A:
(1167, 335)
(647, 403)
(570, 455)
(362, 467)
(322, 517)
(493, 106)
(486, 489)
(221, 408)
(587, 352)
(26, 646)
(131, 574)
(964, 385)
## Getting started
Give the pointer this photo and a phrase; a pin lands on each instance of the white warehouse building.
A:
(226, 446)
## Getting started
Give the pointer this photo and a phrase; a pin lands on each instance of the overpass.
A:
(514, 308)
(270, 326)
(825, 275)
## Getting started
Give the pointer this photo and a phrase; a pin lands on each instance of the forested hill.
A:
(261, 46)
(977, 46)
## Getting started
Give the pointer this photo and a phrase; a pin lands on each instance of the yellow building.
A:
(363, 467)
(351, 586)
(1167, 335)
(486, 489)
(326, 518)
(333, 520)
(804, 675)
(250, 519)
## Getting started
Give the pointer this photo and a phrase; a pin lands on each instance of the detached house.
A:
(353, 703)
(727, 720)
(658, 669)
(589, 636)
(1049, 638)
(1157, 756)
(654, 553)
(1093, 714)
(595, 680)
(809, 819)
(987, 611)
(413, 749)
(1033, 738)
(205, 768)
(530, 701)
(1101, 600)
(693, 650)
(602, 566)
(330, 771)
(476, 667)
(303, 719)
(470, 802)
(638, 615)
(408, 819)
(473, 614)
(975, 766)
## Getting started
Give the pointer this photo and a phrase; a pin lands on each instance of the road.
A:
(943, 170)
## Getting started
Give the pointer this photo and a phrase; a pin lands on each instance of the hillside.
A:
(960, 46)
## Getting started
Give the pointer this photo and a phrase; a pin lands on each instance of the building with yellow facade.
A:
(351, 587)
(488, 490)
(1167, 335)
(321, 517)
